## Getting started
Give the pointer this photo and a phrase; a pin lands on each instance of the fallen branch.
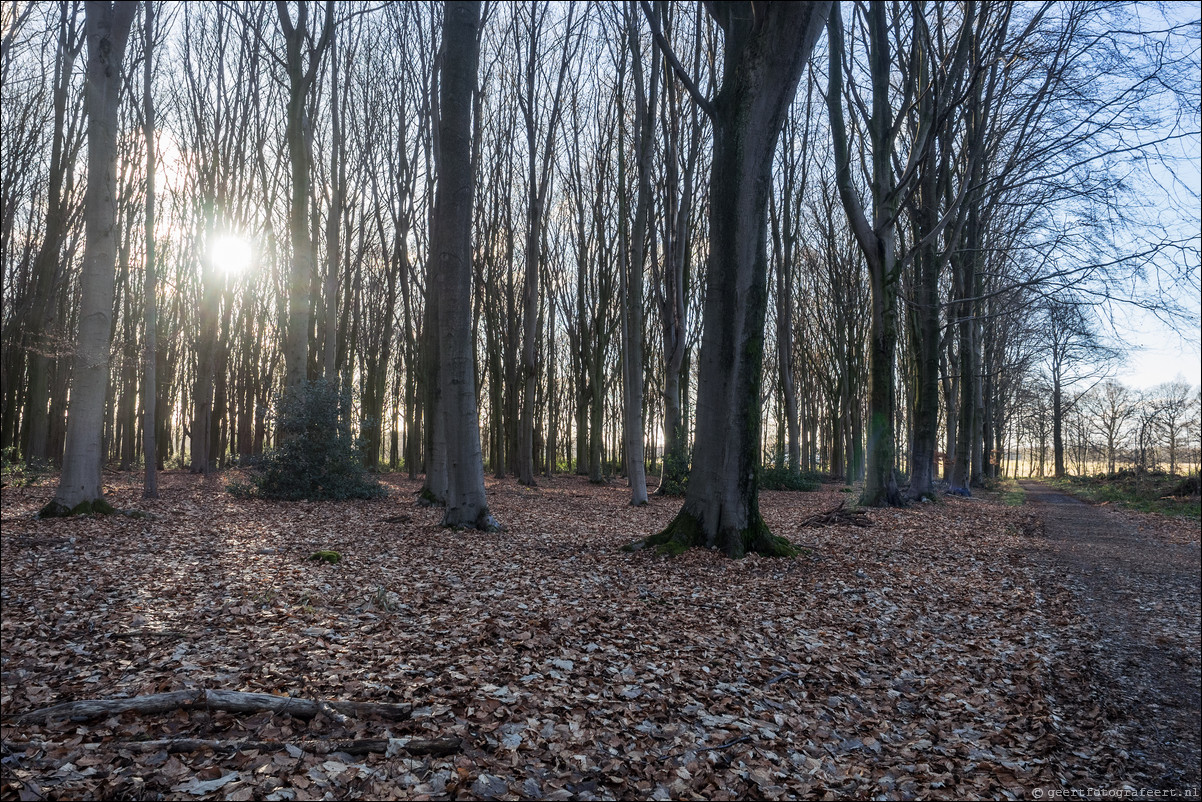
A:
(360, 746)
(742, 740)
(836, 516)
(229, 701)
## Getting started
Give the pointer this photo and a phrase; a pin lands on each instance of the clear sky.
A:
(1159, 352)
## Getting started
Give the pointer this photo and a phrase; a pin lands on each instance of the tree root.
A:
(229, 701)
(687, 531)
(56, 509)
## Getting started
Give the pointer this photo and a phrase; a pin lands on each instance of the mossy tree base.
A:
(687, 531)
(56, 509)
(426, 498)
(484, 522)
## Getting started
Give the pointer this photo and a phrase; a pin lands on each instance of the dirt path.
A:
(1140, 600)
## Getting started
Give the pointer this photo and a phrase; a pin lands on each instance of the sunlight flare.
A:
(231, 254)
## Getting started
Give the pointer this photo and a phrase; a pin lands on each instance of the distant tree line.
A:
(1111, 427)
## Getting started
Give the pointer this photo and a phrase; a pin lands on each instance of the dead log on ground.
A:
(439, 747)
(229, 701)
(836, 516)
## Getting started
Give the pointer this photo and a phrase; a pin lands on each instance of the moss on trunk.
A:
(688, 531)
(426, 498)
(56, 509)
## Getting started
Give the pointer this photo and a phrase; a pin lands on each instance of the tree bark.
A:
(47, 266)
(451, 253)
(80, 490)
(877, 241)
(766, 47)
(298, 132)
(634, 265)
(150, 488)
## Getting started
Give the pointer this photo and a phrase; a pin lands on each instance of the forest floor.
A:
(942, 652)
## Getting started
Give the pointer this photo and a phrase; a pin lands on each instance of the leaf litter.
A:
(916, 657)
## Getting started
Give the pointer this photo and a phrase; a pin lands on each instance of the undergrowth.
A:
(1159, 492)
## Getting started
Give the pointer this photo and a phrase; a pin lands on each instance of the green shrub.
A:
(784, 479)
(318, 457)
(675, 476)
(21, 473)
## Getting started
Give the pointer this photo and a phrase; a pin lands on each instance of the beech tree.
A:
(302, 59)
(80, 489)
(149, 287)
(451, 255)
(766, 47)
(634, 240)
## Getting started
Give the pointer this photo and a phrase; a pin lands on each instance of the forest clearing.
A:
(927, 655)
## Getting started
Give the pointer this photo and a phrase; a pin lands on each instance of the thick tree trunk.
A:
(79, 490)
(451, 251)
(766, 48)
(962, 464)
(926, 348)
(596, 470)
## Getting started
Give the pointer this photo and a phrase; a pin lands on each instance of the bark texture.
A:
(79, 490)
(766, 47)
(451, 247)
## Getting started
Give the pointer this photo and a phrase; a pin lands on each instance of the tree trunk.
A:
(80, 490)
(150, 487)
(766, 47)
(47, 266)
(451, 254)
(877, 242)
(1057, 426)
(298, 132)
(337, 178)
(634, 265)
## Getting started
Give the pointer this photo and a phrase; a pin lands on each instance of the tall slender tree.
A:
(646, 88)
(302, 59)
(79, 490)
(451, 257)
(150, 305)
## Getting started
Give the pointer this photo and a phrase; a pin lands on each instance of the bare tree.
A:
(49, 265)
(451, 258)
(1177, 401)
(1113, 406)
(80, 491)
(765, 49)
(634, 242)
(876, 237)
(302, 59)
(149, 289)
(538, 178)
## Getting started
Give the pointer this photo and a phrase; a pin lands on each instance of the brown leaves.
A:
(907, 659)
